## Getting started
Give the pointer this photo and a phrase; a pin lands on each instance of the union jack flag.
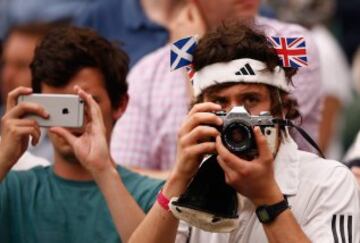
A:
(190, 72)
(182, 52)
(292, 51)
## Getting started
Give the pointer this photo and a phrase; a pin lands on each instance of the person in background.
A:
(135, 23)
(65, 202)
(19, 12)
(159, 101)
(349, 35)
(159, 98)
(335, 71)
(19, 45)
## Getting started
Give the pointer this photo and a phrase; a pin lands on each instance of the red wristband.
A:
(163, 201)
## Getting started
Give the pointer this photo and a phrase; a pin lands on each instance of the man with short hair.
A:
(63, 203)
(285, 194)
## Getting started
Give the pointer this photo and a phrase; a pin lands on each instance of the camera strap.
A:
(288, 123)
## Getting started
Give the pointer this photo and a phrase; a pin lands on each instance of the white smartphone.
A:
(64, 110)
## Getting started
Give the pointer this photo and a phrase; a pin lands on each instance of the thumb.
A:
(64, 133)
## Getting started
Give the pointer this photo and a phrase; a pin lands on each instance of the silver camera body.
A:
(237, 131)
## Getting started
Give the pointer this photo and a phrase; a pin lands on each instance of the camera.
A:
(237, 131)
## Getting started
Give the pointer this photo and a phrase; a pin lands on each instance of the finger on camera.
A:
(201, 149)
(14, 94)
(263, 147)
(233, 161)
(230, 174)
(8, 122)
(198, 135)
(28, 131)
(201, 118)
(93, 106)
(205, 107)
(28, 123)
(27, 108)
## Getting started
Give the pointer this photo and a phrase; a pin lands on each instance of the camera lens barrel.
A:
(238, 136)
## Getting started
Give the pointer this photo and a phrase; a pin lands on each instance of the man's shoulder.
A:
(25, 177)
(24, 182)
(314, 168)
(143, 189)
(136, 182)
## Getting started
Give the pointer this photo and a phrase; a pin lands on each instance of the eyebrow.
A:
(214, 96)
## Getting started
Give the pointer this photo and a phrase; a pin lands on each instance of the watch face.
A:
(263, 215)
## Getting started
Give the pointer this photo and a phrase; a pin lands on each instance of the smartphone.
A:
(64, 110)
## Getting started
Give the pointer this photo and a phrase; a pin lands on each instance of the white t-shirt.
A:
(28, 161)
(323, 196)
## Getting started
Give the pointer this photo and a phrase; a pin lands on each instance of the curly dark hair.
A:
(63, 52)
(232, 41)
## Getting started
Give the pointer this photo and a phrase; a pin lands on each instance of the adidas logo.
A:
(246, 70)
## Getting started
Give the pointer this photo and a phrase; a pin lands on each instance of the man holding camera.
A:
(63, 203)
(285, 195)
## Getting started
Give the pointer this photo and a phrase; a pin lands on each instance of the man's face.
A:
(217, 11)
(92, 81)
(254, 97)
(17, 55)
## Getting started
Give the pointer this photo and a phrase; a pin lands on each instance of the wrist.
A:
(5, 163)
(174, 186)
(273, 195)
(101, 175)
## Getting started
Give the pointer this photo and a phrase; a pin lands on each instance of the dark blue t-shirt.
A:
(36, 206)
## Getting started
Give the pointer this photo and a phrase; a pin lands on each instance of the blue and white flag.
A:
(181, 54)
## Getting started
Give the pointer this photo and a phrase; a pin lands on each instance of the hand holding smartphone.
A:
(64, 110)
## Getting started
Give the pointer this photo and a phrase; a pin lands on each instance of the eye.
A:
(220, 101)
(251, 100)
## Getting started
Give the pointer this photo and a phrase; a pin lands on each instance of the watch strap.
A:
(268, 213)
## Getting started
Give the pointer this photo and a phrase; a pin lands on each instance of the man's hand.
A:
(196, 138)
(15, 131)
(91, 147)
(253, 179)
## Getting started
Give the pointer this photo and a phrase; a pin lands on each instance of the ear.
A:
(196, 18)
(119, 111)
(188, 22)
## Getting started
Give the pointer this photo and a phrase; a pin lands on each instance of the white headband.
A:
(241, 70)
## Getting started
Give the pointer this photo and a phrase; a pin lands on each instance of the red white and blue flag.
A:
(291, 50)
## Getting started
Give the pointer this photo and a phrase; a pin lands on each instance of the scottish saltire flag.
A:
(181, 54)
(291, 50)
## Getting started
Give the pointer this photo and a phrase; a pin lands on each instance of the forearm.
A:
(159, 174)
(285, 229)
(159, 224)
(124, 210)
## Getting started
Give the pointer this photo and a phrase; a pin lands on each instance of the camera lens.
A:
(237, 137)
